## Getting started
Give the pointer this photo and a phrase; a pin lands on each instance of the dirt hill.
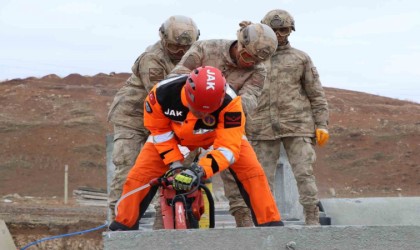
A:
(49, 122)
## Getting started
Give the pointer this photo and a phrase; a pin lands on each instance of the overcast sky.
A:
(370, 46)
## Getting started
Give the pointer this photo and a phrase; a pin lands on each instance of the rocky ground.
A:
(49, 122)
(33, 218)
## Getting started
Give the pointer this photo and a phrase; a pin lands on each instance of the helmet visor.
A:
(177, 48)
(284, 31)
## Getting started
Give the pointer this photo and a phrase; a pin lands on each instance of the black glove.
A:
(187, 178)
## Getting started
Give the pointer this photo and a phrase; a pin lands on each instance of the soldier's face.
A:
(176, 51)
(177, 48)
(284, 31)
(245, 59)
(282, 34)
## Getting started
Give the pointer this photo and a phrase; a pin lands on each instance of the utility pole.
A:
(66, 183)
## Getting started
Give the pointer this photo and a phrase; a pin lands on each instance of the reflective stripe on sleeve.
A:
(163, 137)
(228, 154)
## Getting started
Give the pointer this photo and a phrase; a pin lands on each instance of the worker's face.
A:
(198, 114)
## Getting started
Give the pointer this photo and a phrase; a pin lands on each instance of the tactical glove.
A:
(322, 136)
(187, 178)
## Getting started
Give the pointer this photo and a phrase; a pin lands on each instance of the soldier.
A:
(291, 109)
(241, 63)
(195, 110)
(177, 34)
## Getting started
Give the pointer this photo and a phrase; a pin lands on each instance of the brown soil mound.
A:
(51, 122)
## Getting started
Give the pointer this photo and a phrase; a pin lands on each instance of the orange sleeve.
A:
(160, 127)
(229, 133)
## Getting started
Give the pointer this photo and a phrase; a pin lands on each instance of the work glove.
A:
(204, 151)
(322, 136)
(175, 164)
(187, 178)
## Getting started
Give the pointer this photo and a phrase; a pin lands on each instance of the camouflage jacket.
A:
(292, 102)
(150, 67)
(247, 82)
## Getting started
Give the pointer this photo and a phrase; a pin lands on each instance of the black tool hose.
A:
(211, 204)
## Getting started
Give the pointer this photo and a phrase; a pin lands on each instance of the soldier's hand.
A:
(322, 136)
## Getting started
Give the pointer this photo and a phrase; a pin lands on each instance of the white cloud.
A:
(331, 41)
(403, 64)
(414, 47)
(77, 8)
(381, 25)
(359, 44)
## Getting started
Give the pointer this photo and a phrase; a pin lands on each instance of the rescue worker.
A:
(240, 62)
(292, 110)
(177, 34)
(195, 110)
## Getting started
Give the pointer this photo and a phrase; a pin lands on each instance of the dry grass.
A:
(80, 121)
(11, 126)
(91, 149)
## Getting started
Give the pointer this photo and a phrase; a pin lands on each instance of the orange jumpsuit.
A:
(167, 117)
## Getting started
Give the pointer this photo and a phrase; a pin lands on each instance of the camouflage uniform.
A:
(177, 34)
(126, 113)
(292, 105)
(248, 82)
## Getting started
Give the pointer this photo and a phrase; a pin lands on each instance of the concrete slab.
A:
(373, 211)
(6, 240)
(110, 167)
(291, 237)
(286, 192)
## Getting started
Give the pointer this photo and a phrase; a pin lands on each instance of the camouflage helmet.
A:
(259, 39)
(279, 19)
(180, 30)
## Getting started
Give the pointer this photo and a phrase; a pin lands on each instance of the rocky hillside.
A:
(49, 122)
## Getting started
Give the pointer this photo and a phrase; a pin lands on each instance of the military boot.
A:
(158, 223)
(243, 218)
(312, 215)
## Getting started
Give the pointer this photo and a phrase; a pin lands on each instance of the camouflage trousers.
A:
(301, 154)
(127, 145)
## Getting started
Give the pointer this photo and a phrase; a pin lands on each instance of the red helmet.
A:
(205, 89)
